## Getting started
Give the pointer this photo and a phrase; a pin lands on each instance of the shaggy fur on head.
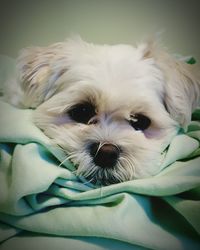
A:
(113, 109)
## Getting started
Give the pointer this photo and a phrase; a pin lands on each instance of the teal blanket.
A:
(42, 200)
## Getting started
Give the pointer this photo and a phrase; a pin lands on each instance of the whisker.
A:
(88, 181)
(69, 157)
(130, 164)
(99, 147)
(87, 172)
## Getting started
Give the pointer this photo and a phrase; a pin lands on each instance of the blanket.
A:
(41, 200)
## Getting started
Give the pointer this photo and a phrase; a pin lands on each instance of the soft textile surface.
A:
(39, 195)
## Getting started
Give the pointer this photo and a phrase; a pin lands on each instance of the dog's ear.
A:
(182, 82)
(39, 70)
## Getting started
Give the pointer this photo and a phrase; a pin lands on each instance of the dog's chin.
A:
(107, 176)
(104, 177)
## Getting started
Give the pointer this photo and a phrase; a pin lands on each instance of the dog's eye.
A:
(139, 121)
(82, 112)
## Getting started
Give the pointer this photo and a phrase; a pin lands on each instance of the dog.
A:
(113, 109)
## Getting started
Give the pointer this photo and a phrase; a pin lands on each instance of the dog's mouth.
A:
(103, 178)
(99, 176)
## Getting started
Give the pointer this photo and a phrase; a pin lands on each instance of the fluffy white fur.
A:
(121, 81)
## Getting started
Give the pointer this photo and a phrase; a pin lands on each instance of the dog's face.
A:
(113, 109)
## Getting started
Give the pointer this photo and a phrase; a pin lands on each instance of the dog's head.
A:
(113, 109)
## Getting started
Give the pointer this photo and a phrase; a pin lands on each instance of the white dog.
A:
(113, 109)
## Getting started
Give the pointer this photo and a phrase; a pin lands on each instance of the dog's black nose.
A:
(104, 156)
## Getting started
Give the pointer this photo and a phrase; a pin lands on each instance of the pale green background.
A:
(25, 22)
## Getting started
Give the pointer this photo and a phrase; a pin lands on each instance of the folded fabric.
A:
(38, 194)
